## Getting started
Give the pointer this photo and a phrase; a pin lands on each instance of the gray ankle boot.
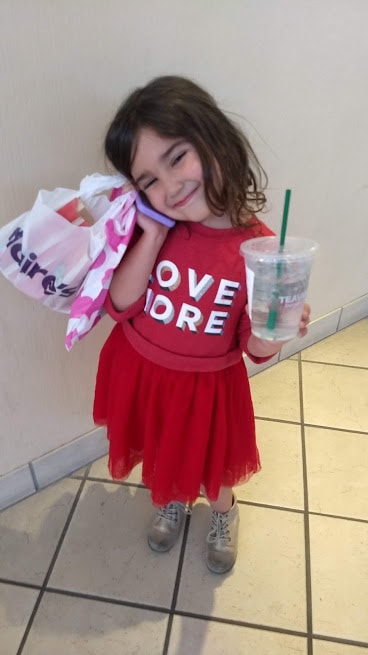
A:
(222, 540)
(165, 529)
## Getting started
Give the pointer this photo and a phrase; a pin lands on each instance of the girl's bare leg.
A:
(224, 500)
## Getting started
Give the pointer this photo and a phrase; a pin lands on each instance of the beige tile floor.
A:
(77, 577)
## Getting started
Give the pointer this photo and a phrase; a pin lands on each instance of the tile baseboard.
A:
(321, 328)
(59, 463)
(68, 458)
(253, 369)
(16, 486)
(53, 466)
(353, 312)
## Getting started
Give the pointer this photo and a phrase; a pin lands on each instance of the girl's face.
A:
(169, 172)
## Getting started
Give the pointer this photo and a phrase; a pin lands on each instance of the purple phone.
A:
(148, 211)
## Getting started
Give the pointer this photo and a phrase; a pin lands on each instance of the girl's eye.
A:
(148, 184)
(178, 157)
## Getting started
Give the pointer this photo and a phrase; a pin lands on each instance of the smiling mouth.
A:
(183, 202)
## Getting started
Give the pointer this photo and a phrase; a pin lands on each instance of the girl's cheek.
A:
(193, 162)
(155, 199)
(198, 171)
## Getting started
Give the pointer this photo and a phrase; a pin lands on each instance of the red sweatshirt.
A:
(193, 316)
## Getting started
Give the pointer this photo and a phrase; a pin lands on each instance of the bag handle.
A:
(91, 193)
(97, 183)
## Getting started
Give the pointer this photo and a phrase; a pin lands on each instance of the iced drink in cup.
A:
(277, 284)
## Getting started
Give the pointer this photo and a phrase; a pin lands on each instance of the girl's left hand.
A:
(264, 348)
(305, 318)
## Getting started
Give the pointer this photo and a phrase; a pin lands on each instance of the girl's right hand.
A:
(130, 279)
(148, 225)
(151, 227)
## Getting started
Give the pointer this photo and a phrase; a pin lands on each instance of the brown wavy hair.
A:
(176, 107)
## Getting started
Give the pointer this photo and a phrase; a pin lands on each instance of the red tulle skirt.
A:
(188, 429)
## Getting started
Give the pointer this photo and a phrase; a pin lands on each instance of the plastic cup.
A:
(277, 284)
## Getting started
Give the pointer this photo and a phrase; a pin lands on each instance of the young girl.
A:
(171, 386)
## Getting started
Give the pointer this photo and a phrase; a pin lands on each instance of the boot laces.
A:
(171, 512)
(219, 529)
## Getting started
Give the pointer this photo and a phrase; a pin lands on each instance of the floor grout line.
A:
(280, 508)
(109, 600)
(17, 583)
(339, 640)
(252, 503)
(276, 420)
(176, 585)
(51, 566)
(352, 366)
(351, 519)
(308, 579)
(118, 483)
(197, 616)
(333, 428)
(311, 425)
(241, 624)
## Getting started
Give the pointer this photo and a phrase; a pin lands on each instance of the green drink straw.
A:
(271, 319)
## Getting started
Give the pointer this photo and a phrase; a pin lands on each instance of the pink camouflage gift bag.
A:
(87, 307)
(53, 255)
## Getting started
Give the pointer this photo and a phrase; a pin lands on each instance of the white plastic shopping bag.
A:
(52, 255)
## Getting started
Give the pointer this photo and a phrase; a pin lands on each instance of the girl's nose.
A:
(173, 188)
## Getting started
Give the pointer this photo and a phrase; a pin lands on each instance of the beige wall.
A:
(296, 70)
